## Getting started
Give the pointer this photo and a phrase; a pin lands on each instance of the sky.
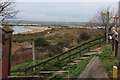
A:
(67, 0)
(60, 11)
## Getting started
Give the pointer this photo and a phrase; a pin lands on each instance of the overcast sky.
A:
(61, 11)
(67, 0)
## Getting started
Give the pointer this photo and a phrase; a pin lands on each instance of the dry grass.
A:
(54, 36)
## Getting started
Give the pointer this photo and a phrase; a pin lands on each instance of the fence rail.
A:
(65, 55)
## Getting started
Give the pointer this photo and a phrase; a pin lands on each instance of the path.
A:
(93, 70)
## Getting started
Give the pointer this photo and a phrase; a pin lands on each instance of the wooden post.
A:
(115, 73)
(116, 48)
(58, 58)
(89, 46)
(116, 23)
(107, 28)
(113, 42)
(5, 52)
(99, 42)
(68, 75)
(80, 52)
(70, 58)
(33, 53)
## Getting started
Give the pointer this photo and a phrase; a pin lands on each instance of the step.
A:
(70, 64)
(77, 61)
(49, 72)
(89, 54)
(64, 67)
(81, 58)
(99, 52)
(94, 51)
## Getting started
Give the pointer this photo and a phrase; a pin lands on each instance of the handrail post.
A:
(70, 57)
(113, 41)
(89, 46)
(80, 52)
(25, 72)
(99, 42)
(58, 58)
(116, 47)
(5, 52)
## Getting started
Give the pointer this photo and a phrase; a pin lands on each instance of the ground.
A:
(54, 36)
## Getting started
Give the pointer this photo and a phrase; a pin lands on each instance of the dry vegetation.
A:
(58, 38)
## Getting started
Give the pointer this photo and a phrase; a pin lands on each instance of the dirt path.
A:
(94, 70)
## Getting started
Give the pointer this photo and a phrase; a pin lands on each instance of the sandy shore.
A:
(36, 29)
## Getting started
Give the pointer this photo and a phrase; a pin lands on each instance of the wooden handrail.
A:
(59, 55)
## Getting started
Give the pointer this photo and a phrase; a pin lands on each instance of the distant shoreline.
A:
(36, 29)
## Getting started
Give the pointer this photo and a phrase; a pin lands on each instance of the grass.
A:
(67, 38)
(27, 37)
(108, 60)
(26, 64)
(75, 70)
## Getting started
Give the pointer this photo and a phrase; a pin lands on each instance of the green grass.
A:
(75, 70)
(26, 64)
(108, 60)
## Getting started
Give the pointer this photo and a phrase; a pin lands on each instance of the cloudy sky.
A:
(61, 10)
(67, 0)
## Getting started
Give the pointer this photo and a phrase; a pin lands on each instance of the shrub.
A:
(83, 37)
(40, 42)
(63, 44)
(56, 49)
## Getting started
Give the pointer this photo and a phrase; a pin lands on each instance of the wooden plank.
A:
(48, 72)
(70, 64)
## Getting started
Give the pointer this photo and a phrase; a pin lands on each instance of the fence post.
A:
(5, 52)
(58, 58)
(80, 52)
(33, 53)
(116, 47)
(70, 58)
(113, 44)
(99, 42)
(89, 46)
(115, 73)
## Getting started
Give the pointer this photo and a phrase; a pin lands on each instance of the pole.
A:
(115, 73)
(33, 53)
(107, 19)
(116, 23)
(5, 52)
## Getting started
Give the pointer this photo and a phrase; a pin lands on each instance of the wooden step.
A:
(89, 54)
(94, 51)
(81, 58)
(77, 61)
(49, 72)
(70, 64)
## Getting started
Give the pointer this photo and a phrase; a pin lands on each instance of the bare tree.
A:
(7, 11)
(103, 18)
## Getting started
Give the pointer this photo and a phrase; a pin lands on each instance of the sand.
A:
(36, 29)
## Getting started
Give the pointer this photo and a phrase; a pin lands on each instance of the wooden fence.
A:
(63, 56)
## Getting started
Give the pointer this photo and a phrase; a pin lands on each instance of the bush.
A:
(63, 44)
(56, 49)
(83, 37)
(40, 42)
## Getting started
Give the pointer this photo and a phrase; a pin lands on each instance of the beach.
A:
(36, 29)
